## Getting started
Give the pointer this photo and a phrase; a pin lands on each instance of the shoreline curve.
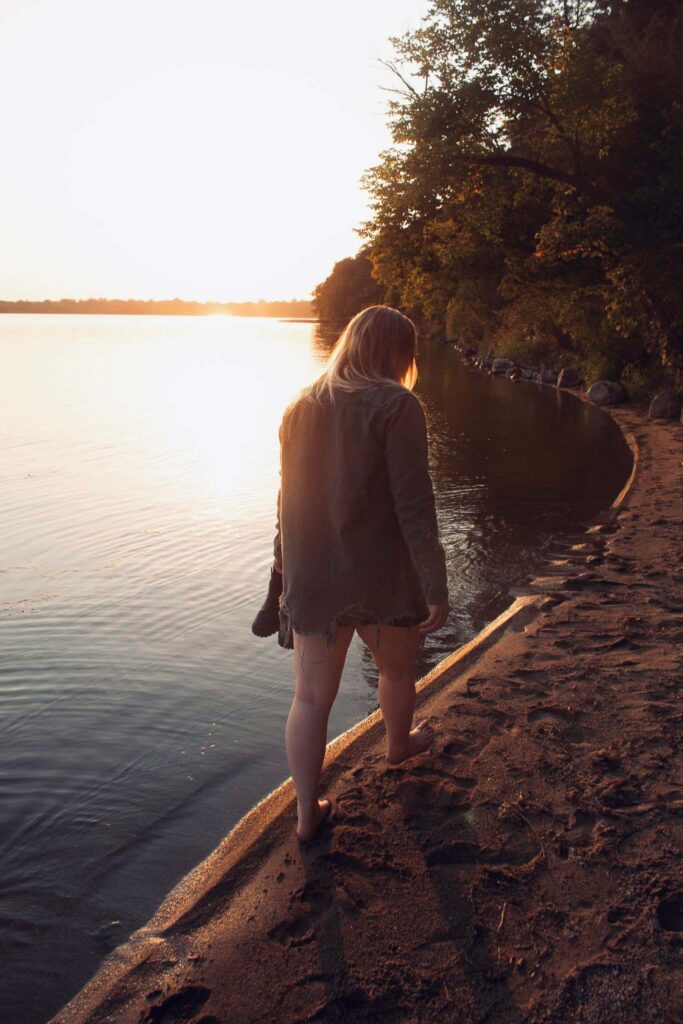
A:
(208, 892)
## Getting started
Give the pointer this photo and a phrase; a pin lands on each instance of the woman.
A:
(357, 541)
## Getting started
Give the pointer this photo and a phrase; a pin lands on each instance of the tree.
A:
(348, 289)
(532, 195)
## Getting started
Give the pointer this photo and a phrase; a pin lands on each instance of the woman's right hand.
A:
(438, 613)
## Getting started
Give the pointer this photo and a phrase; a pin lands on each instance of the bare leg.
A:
(395, 658)
(318, 670)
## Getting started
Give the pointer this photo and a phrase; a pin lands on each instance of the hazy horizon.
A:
(156, 298)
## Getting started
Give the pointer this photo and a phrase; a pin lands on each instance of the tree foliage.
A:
(348, 289)
(532, 197)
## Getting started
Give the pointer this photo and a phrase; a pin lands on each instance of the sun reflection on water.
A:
(221, 404)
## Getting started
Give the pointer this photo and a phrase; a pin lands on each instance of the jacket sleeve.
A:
(411, 487)
(277, 542)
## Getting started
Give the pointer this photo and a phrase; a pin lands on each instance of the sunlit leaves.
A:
(533, 192)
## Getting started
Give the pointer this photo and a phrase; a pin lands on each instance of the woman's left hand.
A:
(438, 613)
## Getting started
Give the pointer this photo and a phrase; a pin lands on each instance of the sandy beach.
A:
(528, 870)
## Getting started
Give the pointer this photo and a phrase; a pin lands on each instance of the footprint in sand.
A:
(497, 719)
(459, 851)
(670, 912)
(570, 730)
(436, 775)
(457, 748)
(358, 892)
(181, 1006)
(519, 691)
(620, 915)
(303, 1000)
(550, 714)
(361, 821)
(493, 835)
(351, 805)
(297, 932)
(350, 800)
(300, 927)
(374, 862)
(578, 734)
(424, 803)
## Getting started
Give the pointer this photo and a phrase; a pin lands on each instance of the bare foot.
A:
(308, 827)
(419, 740)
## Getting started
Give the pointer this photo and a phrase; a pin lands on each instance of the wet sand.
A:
(528, 870)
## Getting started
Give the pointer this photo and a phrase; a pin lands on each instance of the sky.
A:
(204, 149)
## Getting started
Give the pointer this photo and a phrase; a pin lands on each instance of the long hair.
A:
(378, 346)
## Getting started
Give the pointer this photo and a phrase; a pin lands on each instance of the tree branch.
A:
(572, 144)
(526, 164)
(394, 70)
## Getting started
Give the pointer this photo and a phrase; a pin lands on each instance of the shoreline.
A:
(473, 838)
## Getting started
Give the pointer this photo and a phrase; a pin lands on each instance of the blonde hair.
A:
(372, 349)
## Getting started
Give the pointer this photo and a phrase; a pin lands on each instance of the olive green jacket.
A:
(357, 531)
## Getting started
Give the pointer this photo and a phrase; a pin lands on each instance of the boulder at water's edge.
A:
(665, 406)
(605, 392)
(569, 378)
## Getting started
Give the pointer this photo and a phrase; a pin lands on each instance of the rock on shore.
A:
(569, 378)
(605, 392)
(666, 405)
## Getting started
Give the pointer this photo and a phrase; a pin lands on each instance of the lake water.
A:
(138, 478)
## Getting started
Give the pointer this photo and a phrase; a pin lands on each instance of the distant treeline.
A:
(163, 307)
(532, 202)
